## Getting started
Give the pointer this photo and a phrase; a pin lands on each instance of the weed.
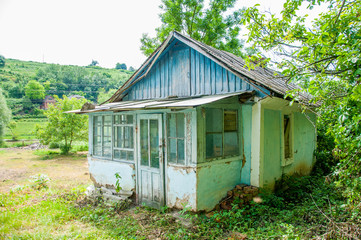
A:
(117, 183)
(39, 181)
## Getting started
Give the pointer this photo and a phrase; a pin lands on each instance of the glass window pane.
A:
(130, 156)
(230, 120)
(171, 125)
(116, 154)
(128, 137)
(180, 125)
(97, 151)
(97, 120)
(117, 119)
(107, 120)
(144, 156)
(154, 143)
(172, 150)
(231, 146)
(180, 149)
(97, 140)
(123, 155)
(107, 152)
(214, 145)
(129, 119)
(214, 120)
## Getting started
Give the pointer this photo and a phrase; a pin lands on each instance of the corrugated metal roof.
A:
(257, 77)
(160, 104)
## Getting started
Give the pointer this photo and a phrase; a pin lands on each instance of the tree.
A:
(5, 115)
(121, 66)
(131, 69)
(325, 59)
(34, 90)
(103, 96)
(2, 61)
(94, 63)
(64, 127)
(209, 26)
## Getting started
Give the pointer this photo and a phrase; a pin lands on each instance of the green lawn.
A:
(25, 128)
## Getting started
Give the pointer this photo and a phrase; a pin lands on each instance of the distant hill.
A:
(57, 80)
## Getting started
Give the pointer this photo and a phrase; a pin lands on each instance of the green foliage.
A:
(57, 80)
(2, 61)
(104, 96)
(325, 59)
(54, 145)
(117, 182)
(39, 181)
(121, 66)
(5, 115)
(208, 25)
(64, 127)
(34, 90)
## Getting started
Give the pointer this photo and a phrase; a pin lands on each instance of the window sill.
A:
(220, 160)
(286, 162)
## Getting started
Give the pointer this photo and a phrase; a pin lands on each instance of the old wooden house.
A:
(191, 123)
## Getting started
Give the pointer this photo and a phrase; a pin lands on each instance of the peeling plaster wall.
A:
(103, 172)
(181, 187)
(215, 179)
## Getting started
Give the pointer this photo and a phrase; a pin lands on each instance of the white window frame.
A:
(113, 138)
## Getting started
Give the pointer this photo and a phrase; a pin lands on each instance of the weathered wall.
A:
(246, 143)
(303, 141)
(272, 146)
(181, 187)
(103, 173)
(182, 72)
(304, 144)
(214, 179)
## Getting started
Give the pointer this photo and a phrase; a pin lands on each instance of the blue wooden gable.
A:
(184, 72)
(183, 67)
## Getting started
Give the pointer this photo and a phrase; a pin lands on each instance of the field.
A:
(25, 128)
(42, 197)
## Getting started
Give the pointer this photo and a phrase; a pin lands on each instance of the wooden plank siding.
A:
(184, 72)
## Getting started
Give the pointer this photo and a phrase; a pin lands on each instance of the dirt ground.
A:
(18, 165)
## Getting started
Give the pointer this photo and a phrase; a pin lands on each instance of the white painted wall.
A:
(103, 172)
(181, 187)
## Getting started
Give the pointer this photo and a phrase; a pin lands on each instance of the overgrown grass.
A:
(301, 208)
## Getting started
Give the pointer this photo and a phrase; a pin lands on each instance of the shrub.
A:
(54, 145)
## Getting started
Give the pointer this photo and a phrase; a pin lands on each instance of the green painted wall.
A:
(272, 146)
(217, 176)
(303, 145)
(246, 143)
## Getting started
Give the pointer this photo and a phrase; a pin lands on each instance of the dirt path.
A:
(17, 165)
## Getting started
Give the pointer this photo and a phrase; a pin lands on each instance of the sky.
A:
(75, 32)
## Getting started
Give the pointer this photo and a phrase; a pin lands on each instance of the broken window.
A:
(123, 147)
(221, 133)
(287, 137)
(176, 146)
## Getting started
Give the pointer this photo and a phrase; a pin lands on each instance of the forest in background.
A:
(92, 82)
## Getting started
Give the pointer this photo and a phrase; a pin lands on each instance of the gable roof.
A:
(258, 77)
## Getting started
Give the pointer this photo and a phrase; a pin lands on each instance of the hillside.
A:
(57, 80)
